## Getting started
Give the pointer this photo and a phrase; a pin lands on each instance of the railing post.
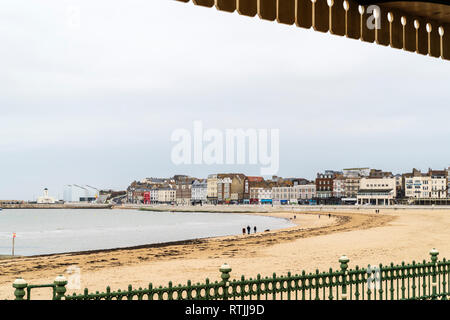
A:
(225, 269)
(344, 265)
(20, 286)
(60, 283)
(434, 257)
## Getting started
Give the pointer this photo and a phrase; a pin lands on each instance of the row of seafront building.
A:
(349, 186)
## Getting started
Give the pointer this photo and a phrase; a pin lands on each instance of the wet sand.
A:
(314, 243)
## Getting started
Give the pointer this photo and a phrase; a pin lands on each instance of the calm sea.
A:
(57, 231)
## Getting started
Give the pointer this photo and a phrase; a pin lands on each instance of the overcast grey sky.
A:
(96, 103)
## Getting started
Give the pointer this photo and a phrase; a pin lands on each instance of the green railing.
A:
(425, 280)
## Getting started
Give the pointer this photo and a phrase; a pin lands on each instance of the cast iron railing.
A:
(425, 280)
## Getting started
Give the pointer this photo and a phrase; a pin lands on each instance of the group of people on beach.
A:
(248, 229)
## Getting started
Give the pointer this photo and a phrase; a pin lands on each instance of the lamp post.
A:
(13, 240)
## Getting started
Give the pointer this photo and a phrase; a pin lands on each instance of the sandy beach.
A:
(313, 243)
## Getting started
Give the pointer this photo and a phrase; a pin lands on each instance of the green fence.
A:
(425, 280)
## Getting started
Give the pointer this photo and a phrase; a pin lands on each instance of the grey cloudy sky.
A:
(96, 103)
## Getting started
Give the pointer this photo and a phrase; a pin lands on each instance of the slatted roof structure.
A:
(415, 26)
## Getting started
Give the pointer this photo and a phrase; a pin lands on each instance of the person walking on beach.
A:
(254, 229)
(329, 215)
(243, 231)
(248, 229)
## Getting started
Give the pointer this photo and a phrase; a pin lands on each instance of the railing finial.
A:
(225, 269)
(20, 285)
(344, 265)
(344, 262)
(434, 255)
(60, 283)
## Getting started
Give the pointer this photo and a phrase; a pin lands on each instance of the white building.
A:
(199, 191)
(167, 195)
(448, 182)
(377, 191)
(306, 191)
(439, 184)
(264, 195)
(417, 187)
(154, 195)
(284, 195)
(339, 187)
(260, 194)
(46, 199)
(78, 193)
(431, 185)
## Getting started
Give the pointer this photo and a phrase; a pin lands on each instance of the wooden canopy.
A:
(416, 26)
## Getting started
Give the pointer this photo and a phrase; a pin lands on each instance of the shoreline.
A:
(183, 242)
(195, 241)
(276, 210)
(248, 254)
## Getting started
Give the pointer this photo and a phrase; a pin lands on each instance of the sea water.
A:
(47, 231)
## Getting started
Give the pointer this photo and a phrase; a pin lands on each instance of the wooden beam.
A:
(286, 11)
(247, 7)
(402, 24)
(226, 5)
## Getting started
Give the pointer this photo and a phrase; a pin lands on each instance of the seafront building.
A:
(232, 188)
(307, 193)
(433, 184)
(211, 186)
(448, 181)
(324, 187)
(377, 191)
(154, 195)
(352, 177)
(350, 186)
(167, 195)
(260, 195)
(259, 190)
(74, 193)
(282, 195)
(183, 185)
(45, 198)
(339, 186)
(199, 192)
(439, 184)
(224, 190)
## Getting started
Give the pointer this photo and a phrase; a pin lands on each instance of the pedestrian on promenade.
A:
(248, 229)
(243, 231)
(254, 229)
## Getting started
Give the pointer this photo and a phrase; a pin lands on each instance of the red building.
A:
(147, 197)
